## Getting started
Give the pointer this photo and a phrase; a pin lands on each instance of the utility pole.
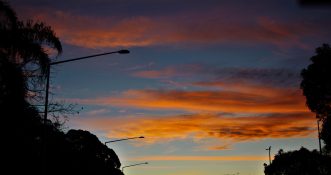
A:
(269, 154)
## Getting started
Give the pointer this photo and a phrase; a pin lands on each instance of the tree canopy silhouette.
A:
(326, 135)
(24, 46)
(316, 83)
(316, 86)
(24, 42)
(299, 162)
(24, 56)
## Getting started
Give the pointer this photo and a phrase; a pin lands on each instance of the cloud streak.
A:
(198, 158)
(270, 76)
(140, 30)
(202, 126)
(172, 71)
(246, 99)
(257, 111)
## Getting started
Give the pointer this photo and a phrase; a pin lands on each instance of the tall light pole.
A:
(70, 60)
(269, 154)
(134, 165)
(47, 90)
(140, 137)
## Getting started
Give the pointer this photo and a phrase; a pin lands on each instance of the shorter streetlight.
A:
(134, 165)
(140, 137)
(269, 154)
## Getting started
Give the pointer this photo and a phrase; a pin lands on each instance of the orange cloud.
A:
(251, 88)
(222, 147)
(271, 112)
(96, 32)
(171, 71)
(202, 126)
(156, 73)
(199, 158)
(245, 99)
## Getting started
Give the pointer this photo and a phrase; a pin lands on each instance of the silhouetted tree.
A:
(326, 136)
(316, 86)
(23, 55)
(299, 162)
(25, 43)
(24, 48)
(88, 144)
(316, 83)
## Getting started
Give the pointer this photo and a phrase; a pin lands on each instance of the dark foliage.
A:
(316, 83)
(326, 136)
(28, 145)
(316, 86)
(26, 45)
(299, 162)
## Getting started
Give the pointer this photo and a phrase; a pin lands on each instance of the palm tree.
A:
(26, 45)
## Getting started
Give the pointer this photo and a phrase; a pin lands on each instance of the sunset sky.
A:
(211, 84)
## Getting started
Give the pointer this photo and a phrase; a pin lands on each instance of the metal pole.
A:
(70, 60)
(43, 152)
(80, 58)
(44, 142)
(47, 88)
(133, 165)
(124, 139)
(269, 154)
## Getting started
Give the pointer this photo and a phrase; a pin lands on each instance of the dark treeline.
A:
(316, 87)
(28, 145)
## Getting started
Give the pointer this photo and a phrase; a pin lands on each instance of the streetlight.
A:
(269, 154)
(70, 60)
(134, 165)
(141, 137)
(47, 88)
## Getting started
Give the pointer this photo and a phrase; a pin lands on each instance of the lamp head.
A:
(123, 51)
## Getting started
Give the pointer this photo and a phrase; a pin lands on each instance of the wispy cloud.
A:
(198, 158)
(270, 76)
(222, 147)
(171, 71)
(211, 27)
(263, 76)
(270, 111)
(202, 126)
(253, 101)
(98, 112)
